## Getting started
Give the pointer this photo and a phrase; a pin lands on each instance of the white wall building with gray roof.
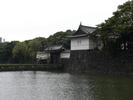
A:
(84, 39)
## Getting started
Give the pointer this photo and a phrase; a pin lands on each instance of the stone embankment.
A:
(30, 67)
(98, 62)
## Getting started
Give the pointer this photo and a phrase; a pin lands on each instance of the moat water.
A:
(62, 86)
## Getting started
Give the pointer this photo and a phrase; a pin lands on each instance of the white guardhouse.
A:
(83, 38)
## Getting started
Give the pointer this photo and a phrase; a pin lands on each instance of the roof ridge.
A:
(86, 26)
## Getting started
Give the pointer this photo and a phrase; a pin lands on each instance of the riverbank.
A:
(30, 67)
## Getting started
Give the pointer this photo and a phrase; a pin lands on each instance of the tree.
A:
(35, 45)
(6, 51)
(25, 52)
(20, 52)
(120, 24)
(60, 38)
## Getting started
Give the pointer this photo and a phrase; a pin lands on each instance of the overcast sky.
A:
(27, 19)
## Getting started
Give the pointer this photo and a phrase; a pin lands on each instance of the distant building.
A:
(0, 39)
(3, 40)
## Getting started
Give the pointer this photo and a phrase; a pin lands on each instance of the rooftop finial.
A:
(80, 23)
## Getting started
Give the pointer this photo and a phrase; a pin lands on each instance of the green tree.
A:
(6, 52)
(25, 52)
(35, 45)
(60, 38)
(120, 24)
(20, 53)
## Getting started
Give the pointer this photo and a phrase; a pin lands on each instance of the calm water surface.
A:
(62, 86)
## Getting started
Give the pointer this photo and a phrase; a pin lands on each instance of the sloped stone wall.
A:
(94, 60)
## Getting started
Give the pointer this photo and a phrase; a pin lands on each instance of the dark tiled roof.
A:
(55, 47)
(83, 30)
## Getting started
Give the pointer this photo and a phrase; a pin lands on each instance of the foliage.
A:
(6, 51)
(25, 52)
(120, 24)
(60, 38)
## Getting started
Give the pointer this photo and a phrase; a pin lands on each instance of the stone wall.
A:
(97, 61)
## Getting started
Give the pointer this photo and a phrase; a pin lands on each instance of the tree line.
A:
(25, 52)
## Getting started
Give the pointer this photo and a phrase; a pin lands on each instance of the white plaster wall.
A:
(42, 55)
(81, 43)
(65, 55)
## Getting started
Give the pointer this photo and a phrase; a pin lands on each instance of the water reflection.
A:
(113, 89)
(61, 86)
